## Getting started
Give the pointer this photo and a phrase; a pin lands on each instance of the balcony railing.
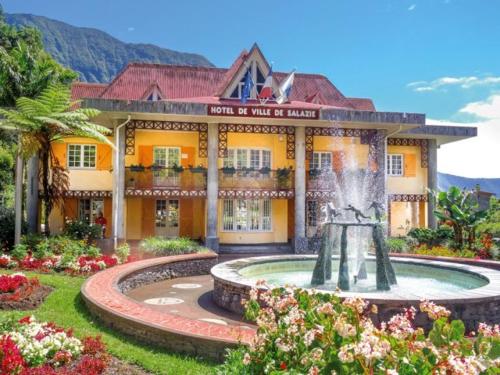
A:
(262, 179)
(142, 178)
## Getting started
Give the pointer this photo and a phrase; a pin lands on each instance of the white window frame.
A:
(390, 165)
(82, 155)
(230, 221)
(321, 155)
(227, 162)
(257, 86)
(92, 209)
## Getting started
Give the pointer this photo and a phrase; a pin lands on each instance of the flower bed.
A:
(29, 347)
(305, 332)
(81, 265)
(17, 292)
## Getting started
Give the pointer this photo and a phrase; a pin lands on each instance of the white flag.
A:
(285, 88)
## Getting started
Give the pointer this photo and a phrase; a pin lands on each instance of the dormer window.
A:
(257, 77)
(154, 96)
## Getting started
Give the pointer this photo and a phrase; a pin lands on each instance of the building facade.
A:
(192, 160)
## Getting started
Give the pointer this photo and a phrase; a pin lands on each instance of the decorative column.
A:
(119, 186)
(431, 181)
(18, 197)
(379, 142)
(32, 194)
(300, 239)
(212, 239)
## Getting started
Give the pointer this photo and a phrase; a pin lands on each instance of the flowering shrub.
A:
(29, 347)
(444, 252)
(84, 264)
(304, 332)
(16, 287)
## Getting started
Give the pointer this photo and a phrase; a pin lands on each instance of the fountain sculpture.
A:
(385, 276)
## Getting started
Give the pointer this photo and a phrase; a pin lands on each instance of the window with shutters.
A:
(394, 164)
(246, 215)
(82, 156)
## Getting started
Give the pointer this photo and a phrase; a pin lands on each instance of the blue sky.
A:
(439, 57)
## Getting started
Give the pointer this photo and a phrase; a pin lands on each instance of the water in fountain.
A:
(353, 182)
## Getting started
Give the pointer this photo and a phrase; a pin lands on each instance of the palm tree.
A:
(44, 120)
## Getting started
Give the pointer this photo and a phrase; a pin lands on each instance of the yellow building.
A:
(193, 160)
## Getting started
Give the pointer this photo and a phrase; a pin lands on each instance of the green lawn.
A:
(65, 307)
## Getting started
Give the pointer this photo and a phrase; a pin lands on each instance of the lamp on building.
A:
(281, 138)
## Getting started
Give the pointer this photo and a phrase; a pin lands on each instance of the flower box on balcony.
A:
(137, 168)
(198, 169)
(229, 171)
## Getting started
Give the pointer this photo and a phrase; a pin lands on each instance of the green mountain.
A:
(96, 55)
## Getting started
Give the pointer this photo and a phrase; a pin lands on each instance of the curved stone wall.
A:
(104, 296)
(472, 306)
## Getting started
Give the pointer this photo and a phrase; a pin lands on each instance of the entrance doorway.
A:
(167, 218)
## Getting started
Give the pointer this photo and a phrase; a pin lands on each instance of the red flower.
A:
(11, 360)
(283, 365)
(93, 345)
(25, 320)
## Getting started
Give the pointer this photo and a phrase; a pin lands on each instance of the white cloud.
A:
(463, 82)
(412, 7)
(131, 28)
(478, 156)
(488, 109)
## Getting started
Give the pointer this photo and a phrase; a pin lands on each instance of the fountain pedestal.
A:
(385, 275)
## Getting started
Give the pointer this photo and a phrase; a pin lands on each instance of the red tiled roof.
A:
(203, 84)
(81, 90)
(362, 104)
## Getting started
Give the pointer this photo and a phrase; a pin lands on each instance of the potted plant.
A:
(137, 168)
(265, 171)
(199, 169)
(229, 170)
(283, 176)
(178, 168)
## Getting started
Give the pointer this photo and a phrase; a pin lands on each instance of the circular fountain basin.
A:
(472, 293)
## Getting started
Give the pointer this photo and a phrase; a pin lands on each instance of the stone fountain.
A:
(385, 275)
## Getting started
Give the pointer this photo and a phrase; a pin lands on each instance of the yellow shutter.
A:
(189, 151)
(410, 163)
(59, 151)
(103, 157)
(146, 155)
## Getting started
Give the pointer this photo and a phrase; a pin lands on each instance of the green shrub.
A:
(60, 245)
(431, 237)
(7, 220)
(32, 240)
(122, 252)
(42, 250)
(80, 230)
(19, 251)
(396, 245)
(93, 251)
(169, 246)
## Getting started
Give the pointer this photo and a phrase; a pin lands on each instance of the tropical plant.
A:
(491, 224)
(25, 68)
(460, 210)
(44, 121)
